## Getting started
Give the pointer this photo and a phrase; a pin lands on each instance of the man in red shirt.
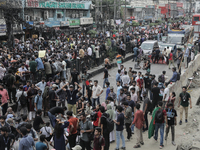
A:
(73, 124)
(140, 83)
(99, 141)
(97, 123)
(139, 123)
(171, 60)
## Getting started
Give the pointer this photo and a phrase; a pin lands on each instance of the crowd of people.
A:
(34, 88)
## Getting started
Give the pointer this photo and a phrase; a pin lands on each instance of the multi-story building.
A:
(60, 14)
(49, 16)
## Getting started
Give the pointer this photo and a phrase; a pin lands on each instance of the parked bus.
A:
(196, 24)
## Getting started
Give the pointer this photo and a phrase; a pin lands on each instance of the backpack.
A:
(161, 79)
(159, 116)
(91, 134)
(110, 123)
(59, 66)
(93, 116)
(53, 68)
(23, 100)
(178, 76)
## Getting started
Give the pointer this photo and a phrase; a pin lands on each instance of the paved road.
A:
(155, 69)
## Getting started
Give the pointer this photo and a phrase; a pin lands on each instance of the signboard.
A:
(52, 23)
(64, 23)
(2, 28)
(74, 22)
(42, 53)
(84, 21)
(179, 4)
(54, 4)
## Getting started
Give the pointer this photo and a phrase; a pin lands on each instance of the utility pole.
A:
(125, 24)
(114, 9)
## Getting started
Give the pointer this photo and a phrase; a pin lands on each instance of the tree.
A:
(11, 9)
(135, 24)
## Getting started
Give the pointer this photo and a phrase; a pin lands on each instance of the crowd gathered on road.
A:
(47, 102)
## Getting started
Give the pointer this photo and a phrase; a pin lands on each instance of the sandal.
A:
(136, 146)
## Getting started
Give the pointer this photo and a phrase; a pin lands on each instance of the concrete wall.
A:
(177, 87)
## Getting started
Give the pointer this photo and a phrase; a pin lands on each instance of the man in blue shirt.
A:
(118, 78)
(174, 76)
(40, 145)
(135, 50)
(27, 142)
(40, 67)
(108, 89)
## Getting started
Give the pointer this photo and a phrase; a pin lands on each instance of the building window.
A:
(59, 15)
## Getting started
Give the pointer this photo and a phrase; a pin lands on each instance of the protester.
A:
(139, 123)
(171, 121)
(184, 102)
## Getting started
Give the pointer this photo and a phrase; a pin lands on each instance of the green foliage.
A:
(92, 33)
(135, 24)
(108, 42)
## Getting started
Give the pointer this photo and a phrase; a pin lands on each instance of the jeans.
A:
(128, 130)
(4, 108)
(146, 121)
(132, 127)
(172, 130)
(107, 140)
(13, 92)
(119, 134)
(104, 82)
(134, 57)
(52, 119)
(64, 74)
(85, 145)
(93, 101)
(161, 126)
(72, 140)
(178, 65)
(83, 89)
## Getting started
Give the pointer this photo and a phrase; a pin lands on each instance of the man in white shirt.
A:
(64, 68)
(125, 79)
(20, 109)
(89, 51)
(165, 94)
(96, 92)
(22, 70)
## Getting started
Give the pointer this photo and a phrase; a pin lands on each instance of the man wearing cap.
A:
(52, 96)
(71, 97)
(6, 139)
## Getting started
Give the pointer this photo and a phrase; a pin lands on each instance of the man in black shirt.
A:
(52, 96)
(157, 51)
(6, 139)
(103, 125)
(105, 77)
(156, 98)
(53, 111)
(38, 122)
(171, 121)
(74, 76)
